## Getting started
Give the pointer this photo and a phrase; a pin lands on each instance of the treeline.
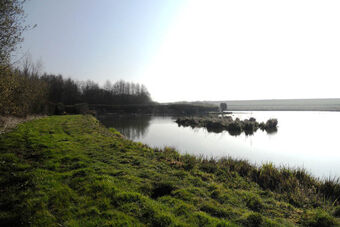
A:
(70, 92)
(24, 92)
(21, 93)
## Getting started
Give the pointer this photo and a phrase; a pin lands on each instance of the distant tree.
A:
(11, 28)
(55, 87)
(31, 68)
(108, 86)
(223, 106)
(69, 92)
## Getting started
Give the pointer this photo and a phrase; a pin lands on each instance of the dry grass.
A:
(10, 122)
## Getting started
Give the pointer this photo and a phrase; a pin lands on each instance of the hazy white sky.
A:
(194, 49)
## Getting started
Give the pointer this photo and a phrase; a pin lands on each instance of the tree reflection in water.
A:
(131, 126)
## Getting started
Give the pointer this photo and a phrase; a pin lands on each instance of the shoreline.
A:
(83, 173)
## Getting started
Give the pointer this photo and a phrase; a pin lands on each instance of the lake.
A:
(304, 139)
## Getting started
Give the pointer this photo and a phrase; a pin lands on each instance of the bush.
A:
(216, 211)
(162, 220)
(162, 189)
(262, 125)
(21, 95)
(330, 188)
(189, 161)
(60, 108)
(317, 218)
(254, 203)
(2, 122)
(202, 219)
(79, 108)
(269, 177)
(213, 126)
(235, 128)
(249, 127)
(208, 166)
(254, 220)
(271, 123)
(337, 211)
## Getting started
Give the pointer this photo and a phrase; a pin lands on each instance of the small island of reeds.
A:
(227, 123)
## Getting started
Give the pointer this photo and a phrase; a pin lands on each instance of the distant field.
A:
(284, 104)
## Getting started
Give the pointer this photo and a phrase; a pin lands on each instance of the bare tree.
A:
(31, 68)
(11, 27)
(108, 86)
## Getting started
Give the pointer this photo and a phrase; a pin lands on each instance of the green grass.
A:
(72, 171)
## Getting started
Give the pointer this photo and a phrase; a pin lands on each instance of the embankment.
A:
(72, 171)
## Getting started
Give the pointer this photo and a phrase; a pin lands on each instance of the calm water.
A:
(304, 139)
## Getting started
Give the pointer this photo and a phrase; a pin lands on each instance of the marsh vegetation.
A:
(227, 123)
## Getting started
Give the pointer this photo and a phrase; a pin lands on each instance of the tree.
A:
(29, 68)
(108, 86)
(11, 28)
(223, 106)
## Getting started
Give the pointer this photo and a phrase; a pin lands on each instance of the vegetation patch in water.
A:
(233, 126)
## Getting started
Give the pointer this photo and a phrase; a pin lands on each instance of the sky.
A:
(190, 50)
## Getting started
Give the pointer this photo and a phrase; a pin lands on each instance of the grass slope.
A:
(71, 171)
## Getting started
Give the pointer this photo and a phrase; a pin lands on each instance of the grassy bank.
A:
(71, 171)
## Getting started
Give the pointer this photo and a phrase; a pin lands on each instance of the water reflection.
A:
(132, 126)
(271, 131)
(297, 143)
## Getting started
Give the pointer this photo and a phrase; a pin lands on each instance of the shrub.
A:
(235, 128)
(262, 125)
(162, 189)
(337, 211)
(189, 161)
(216, 211)
(317, 218)
(271, 126)
(162, 220)
(304, 178)
(254, 220)
(2, 122)
(183, 210)
(21, 95)
(255, 203)
(117, 218)
(214, 126)
(208, 166)
(127, 197)
(249, 127)
(271, 123)
(202, 219)
(50, 108)
(269, 177)
(79, 108)
(330, 188)
(60, 108)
